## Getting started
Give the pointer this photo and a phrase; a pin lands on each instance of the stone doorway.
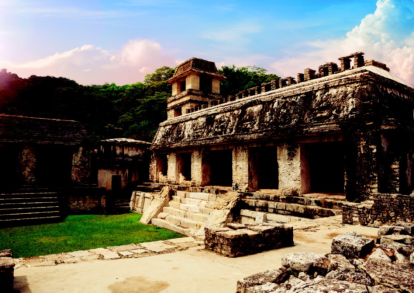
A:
(326, 167)
(9, 175)
(221, 168)
(53, 166)
(264, 168)
(185, 165)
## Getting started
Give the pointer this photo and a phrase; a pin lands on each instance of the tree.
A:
(242, 78)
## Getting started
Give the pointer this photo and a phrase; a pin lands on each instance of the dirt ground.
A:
(192, 270)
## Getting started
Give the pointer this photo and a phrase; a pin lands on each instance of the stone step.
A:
(262, 199)
(202, 196)
(183, 214)
(27, 203)
(248, 217)
(292, 209)
(170, 226)
(183, 222)
(198, 202)
(39, 218)
(174, 204)
(195, 209)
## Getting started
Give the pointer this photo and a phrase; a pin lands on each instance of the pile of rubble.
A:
(241, 239)
(6, 270)
(355, 264)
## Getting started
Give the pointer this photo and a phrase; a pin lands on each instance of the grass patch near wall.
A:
(80, 232)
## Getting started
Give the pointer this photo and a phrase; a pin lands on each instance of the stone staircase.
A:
(29, 207)
(288, 208)
(186, 213)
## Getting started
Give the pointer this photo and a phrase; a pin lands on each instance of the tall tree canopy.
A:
(108, 110)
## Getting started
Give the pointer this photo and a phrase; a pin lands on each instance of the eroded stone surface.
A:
(352, 245)
(351, 276)
(306, 262)
(273, 276)
(339, 261)
(159, 201)
(389, 274)
(379, 254)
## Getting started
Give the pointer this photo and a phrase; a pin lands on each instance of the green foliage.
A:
(80, 232)
(242, 78)
(109, 110)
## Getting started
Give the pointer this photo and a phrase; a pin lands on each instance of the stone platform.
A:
(239, 239)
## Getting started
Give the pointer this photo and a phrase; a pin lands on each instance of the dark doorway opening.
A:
(267, 168)
(186, 165)
(326, 167)
(163, 164)
(116, 184)
(9, 162)
(53, 166)
(221, 168)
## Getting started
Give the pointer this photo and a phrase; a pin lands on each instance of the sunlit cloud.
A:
(387, 35)
(92, 65)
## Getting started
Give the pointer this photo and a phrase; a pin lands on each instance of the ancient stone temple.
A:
(343, 130)
(45, 170)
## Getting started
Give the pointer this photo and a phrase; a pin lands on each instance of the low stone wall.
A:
(140, 201)
(384, 209)
(84, 200)
(239, 239)
(6, 271)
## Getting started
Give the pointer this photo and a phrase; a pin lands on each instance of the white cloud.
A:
(387, 36)
(237, 33)
(93, 65)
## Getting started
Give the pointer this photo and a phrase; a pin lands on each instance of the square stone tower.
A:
(195, 86)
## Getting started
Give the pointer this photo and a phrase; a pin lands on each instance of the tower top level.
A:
(195, 85)
(197, 66)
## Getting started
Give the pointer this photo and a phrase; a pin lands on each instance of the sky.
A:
(98, 41)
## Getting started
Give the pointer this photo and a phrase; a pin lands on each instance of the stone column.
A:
(200, 168)
(172, 171)
(293, 169)
(27, 159)
(241, 168)
(81, 165)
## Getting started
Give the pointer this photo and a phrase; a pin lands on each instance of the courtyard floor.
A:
(177, 265)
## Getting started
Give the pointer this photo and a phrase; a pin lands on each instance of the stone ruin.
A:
(292, 149)
(355, 264)
(6, 271)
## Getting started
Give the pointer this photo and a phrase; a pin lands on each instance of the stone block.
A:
(408, 227)
(351, 276)
(404, 239)
(379, 254)
(352, 245)
(389, 274)
(306, 262)
(339, 261)
(6, 274)
(269, 276)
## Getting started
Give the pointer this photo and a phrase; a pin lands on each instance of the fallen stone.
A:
(379, 254)
(265, 288)
(6, 253)
(306, 262)
(401, 259)
(412, 258)
(352, 245)
(406, 250)
(382, 289)
(339, 261)
(408, 227)
(389, 274)
(6, 274)
(158, 202)
(272, 276)
(105, 253)
(351, 276)
(236, 226)
(319, 285)
(404, 239)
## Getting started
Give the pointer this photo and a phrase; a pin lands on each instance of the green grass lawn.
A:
(80, 232)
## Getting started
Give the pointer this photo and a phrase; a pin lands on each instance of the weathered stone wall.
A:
(27, 161)
(384, 209)
(240, 168)
(82, 165)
